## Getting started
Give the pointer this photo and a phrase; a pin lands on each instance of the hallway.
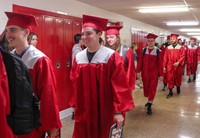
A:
(177, 117)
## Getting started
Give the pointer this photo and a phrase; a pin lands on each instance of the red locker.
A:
(55, 35)
(59, 60)
(48, 45)
(138, 37)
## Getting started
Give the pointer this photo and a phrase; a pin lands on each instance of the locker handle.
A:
(58, 64)
(68, 64)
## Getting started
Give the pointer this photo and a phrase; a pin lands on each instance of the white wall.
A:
(75, 8)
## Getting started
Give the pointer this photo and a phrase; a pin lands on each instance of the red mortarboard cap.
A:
(179, 39)
(168, 37)
(194, 39)
(113, 30)
(151, 36)
(95, 22)
(21, 20)
(174, 35)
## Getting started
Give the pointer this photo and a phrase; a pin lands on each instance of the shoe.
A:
(189, 80)
(136, 86)
(140, 85)
(164, 87)
(178, 90)
(72, 116)
(194, 78)
(169, 95)
(146, 104)
(149, 111)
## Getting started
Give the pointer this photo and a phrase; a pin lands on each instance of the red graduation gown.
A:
(44, 86)
(191, 59)
(5, 130)
(101, 89)
(173, 55)
(163, 47)
(198, 55)
(150, 65)
(129, 67)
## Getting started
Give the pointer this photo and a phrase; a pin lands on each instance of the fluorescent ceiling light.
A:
(197, 37)
(162, 9)
(190, 30)
(136, 29)
(60, 12)
(181, 23)
(193, 33)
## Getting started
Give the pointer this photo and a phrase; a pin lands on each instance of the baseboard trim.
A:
(65, 113)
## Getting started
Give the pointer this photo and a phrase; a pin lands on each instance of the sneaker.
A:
(169, 95)
(72, 116)
(194, 78)
(164, 88)
(140, 85)
(146, 104)
(189, 80)
(136, 86)
(178, 89)
(149, 111)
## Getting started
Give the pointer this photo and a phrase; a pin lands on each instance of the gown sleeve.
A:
(122, 100)
(45, 88)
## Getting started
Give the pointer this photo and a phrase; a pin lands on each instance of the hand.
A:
(176, 64)
(164, 70)
(119, 119)
(52, 133)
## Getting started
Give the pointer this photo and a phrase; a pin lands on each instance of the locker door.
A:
(38, 31)
(76, 27)
(59, 57)
(68, 44)
(48, 43)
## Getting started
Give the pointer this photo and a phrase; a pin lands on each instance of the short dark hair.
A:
(77, 38)
(100, 40)
(97, 31)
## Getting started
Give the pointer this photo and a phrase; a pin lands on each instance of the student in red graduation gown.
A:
(150, 66)
(191, 59)
(41, 71)
(126, 53)
(163, 47)
(198, 58)
(173, 64)
(5, 130)
(101, 89)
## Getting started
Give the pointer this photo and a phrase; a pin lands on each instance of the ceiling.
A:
(129, 8)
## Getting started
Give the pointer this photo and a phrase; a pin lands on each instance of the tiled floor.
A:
(178, 117)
